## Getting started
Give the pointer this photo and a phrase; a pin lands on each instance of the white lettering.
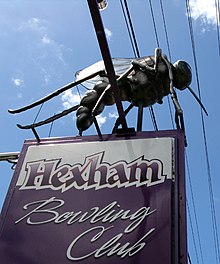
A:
(93, 173)
(46, 211)
(109, 248)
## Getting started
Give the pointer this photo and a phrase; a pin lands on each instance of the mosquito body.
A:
(142, 82)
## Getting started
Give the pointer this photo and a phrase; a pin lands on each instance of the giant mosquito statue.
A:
(142, 82)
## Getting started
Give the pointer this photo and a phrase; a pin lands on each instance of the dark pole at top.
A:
(103, 44)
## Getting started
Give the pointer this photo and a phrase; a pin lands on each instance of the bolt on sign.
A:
(82, 200)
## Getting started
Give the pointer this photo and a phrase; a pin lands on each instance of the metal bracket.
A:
(35, 134)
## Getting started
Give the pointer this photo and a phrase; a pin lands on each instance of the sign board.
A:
(82, 200)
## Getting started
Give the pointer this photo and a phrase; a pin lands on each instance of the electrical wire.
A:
(130, 28)
(217, 24)
(169, 52)
(193, 235)
(158, 43)
(36, 117)
(211, 195)
(153, 118)
(189, 258)
(51, 127)
(127, 26)
(194, 209)
(165, 29)
(154, 23)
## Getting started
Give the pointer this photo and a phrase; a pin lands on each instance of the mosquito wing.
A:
(120, 66)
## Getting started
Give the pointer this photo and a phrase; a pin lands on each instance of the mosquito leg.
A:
(50, 119)
(157, 55)
(93, 104)
(97, 128)
(52, 95)
(117, 123)
(177, 120)
(179, 111)
(142, 66)
(101, 98)
(140, 117)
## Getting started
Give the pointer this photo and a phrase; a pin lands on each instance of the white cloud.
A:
(17, 81)
(45, 39)
(113, 115)
(204, 10)
(70, 99)
(34, 24)
(42, 49)
(101, 119)
(18, 84)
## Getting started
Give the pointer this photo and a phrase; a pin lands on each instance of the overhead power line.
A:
(211, 194)
(193, 235)
(194, 210)
(170, 57)
(132, 28)
(217, 13)
(154, 23)
(131, 32)
(38, 113)
(189, 258)
(165, 29)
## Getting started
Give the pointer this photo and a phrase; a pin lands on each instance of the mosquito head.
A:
(182, 75)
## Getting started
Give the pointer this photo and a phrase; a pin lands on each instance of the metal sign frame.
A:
(169, 195)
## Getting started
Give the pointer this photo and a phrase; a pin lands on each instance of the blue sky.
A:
(44, 42)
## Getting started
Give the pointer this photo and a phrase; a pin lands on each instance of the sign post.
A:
(82, 200)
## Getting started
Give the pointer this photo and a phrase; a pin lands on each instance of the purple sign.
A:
(81, 200)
